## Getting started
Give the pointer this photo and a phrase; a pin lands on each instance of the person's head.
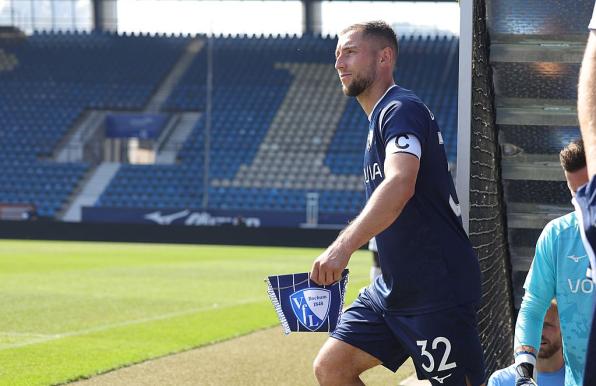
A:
(573, 161)
(551, 342)
(365, 52)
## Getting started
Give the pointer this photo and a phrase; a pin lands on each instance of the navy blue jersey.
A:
(426, 258)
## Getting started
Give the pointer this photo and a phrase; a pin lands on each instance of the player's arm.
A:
(381, 210)
(540, 289)
(586, 102)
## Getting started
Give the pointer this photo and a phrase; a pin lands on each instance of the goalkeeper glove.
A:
(525, 369)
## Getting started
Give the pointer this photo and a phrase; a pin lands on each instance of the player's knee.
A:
(327, 371)
(320, 369)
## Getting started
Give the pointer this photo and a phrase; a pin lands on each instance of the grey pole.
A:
(464, 110)
(208, 117)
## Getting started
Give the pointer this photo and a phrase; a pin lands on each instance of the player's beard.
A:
(549, 349)
(359, 84)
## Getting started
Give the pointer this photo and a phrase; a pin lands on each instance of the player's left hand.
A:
(328, 267)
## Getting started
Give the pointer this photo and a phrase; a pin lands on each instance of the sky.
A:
(256, 17)
(229, 16)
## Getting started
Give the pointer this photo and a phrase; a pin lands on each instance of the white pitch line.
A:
(48, 338)
(14, 333)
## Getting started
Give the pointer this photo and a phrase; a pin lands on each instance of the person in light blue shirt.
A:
(550, 365)
(558, 271)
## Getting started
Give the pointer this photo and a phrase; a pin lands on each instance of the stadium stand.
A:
(47, 81)
(281, 127)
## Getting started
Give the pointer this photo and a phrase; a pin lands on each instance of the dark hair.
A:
(573, 157)
(378, 29)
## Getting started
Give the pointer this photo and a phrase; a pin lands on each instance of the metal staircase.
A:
(535, 54)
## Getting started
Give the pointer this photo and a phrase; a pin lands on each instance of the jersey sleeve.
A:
(401, 118)
(592, 25)
(540, 290)
(585, 207)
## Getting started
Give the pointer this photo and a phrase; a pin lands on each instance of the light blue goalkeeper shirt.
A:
(559, 271)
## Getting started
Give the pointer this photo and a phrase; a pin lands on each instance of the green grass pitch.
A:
(70, 310)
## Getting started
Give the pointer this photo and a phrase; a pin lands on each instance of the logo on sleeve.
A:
(432, 116)
(311, 306)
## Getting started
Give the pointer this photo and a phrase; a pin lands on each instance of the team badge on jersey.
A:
(304, 306)
(369, 139)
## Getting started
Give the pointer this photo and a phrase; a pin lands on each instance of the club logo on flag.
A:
(311, 306)
(305, 306)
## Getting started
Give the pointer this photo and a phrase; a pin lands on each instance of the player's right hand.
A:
(328, 267)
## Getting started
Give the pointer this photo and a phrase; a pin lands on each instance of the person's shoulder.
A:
(406, 97)
(402, 101)
(563, 224)
(503, 377)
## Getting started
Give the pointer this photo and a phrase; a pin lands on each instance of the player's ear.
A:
(386, 55)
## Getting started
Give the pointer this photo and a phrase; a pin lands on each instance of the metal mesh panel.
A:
(524, 237)
(487, 214)
(536, 80)
(538, 139)
(539, 192)
(540, 17)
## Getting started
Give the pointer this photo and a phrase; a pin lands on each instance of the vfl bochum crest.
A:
(304, 306)
(311, 306)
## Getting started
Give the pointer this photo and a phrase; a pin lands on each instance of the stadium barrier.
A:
(153, 233)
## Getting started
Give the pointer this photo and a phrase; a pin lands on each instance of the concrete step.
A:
(167, 85)
(71, 149)
(546, 115)
(168, 151)
(521, 258)
(537, 50)
(533, 216)
(536, 167)
(94, 187)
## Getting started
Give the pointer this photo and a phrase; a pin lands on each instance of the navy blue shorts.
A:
(443, 345)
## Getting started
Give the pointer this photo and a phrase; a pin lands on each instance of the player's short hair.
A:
(379, 30)
(573, 157)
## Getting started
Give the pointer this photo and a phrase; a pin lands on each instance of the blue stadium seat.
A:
(60, 75)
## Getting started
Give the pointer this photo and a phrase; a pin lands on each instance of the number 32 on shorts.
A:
(443, 365)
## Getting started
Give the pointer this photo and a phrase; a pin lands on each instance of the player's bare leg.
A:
(339, 363)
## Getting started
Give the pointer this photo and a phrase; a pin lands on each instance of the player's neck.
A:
(369, 97)
(552, 364)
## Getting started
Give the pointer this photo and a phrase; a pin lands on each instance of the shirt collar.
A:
(380, 99)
